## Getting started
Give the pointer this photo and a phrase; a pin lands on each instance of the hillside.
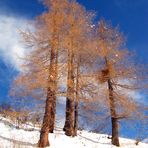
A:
(27, 137)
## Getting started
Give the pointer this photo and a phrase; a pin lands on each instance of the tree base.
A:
(75, 132)
(69, 133)
(116, 142)
(43, 142)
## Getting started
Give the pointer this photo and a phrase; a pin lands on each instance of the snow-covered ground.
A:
(10, 137)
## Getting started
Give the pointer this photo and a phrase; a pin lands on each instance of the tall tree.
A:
(117, 73)
(41, 66)
(78, 24)
(54, 19)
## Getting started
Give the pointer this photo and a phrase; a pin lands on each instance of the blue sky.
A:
(130, 15)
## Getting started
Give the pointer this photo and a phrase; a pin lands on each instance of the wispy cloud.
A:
(10, 46)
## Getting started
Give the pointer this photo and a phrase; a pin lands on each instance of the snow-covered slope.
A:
(10, 137)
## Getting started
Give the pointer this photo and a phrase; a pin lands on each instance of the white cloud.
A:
(11, 47)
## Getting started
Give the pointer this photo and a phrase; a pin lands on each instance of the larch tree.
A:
(117, 73)
(54, 22)
(78, 20)
(41, 65)
(82, 62)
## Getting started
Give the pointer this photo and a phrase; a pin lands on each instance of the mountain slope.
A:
(26, 137)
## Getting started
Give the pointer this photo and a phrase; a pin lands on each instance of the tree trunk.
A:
(49, 108)
(69, 119)
(53, 111)
(54, 71)
(77, 99)
(43, 142)
(114, 120)
(52, 114)
(76, 118)
(115, 135)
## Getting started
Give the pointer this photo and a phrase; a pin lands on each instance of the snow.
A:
(10, 137)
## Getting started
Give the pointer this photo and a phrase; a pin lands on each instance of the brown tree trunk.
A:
(54, 69)
(43, 142)
(52, 114)
(77, 99)
(49, 108)
(69, 119)
(53, 111)
(115, 135)
(76, 118)
(114, 120)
